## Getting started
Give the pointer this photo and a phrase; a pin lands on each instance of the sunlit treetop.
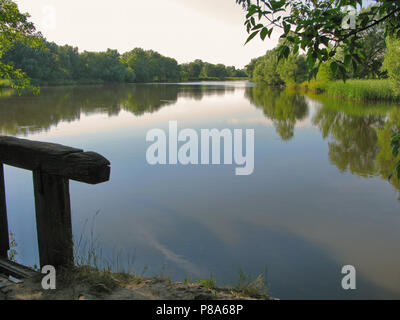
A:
(321, 27)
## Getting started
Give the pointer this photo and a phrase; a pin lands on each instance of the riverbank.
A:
(85, 283)
(372, 90)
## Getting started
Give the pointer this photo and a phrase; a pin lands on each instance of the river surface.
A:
(318, 199)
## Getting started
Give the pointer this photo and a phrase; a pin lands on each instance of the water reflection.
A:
(304, 212)
(358, 132)
(359, 136)
(385, 160)
(29, 114)
(354, 140)
(284, 108)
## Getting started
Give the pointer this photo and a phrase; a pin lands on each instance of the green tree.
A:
(195, 68)
(15, 27)
(372, 49)
(318, 27)
(270, 70)
(294, 69)
(251, 67)
(391, 64)
(137, 61)
(104, 66)
(325, 72)
(266, 69)
(46, 64)
(151, 66)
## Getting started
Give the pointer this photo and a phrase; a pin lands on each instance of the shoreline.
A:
(86, 283)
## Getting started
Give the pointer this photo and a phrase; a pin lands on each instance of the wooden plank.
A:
(71, 163)
(4, 237)
(53, 219)
(16, 270)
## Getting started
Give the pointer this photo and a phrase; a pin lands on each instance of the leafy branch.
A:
(315, 26)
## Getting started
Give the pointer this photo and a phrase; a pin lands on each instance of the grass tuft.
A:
(252, 287)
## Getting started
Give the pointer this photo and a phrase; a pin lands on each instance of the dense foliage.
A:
(270, 70)
(321, 28)
(150, 66)
(15, 27)
(295, 69)
(203, 70)
(53, 64)
(392, 62)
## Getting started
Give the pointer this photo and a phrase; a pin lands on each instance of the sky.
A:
(211, 30)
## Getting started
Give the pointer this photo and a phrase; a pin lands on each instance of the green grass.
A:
(5, 83)
(209, 282)
(367, 90)
(312, 85)
(253, 287)
(376, 90)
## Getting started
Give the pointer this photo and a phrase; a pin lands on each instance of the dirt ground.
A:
(143, 289)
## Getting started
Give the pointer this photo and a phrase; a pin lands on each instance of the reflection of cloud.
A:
(349, 222)
(172, 256)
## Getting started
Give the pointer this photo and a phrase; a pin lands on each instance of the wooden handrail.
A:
(53, 165)
(51, 158)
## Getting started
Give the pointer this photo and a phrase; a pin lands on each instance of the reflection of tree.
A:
(360, 137)
(386, 162)
(28, 114)
(284, 108)
(355, 142)
(148, 98)
(197, 92)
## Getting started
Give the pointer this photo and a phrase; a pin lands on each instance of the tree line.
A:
(381, 54)
(378, 49)
(51, 64)
(272, 71)
(203, 70)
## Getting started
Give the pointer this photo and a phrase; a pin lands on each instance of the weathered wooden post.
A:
(53, 165)
(53, 219)
(4, 240)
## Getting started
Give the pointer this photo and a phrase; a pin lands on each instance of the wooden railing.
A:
(53, 165)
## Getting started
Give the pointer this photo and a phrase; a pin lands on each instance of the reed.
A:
(377, 90)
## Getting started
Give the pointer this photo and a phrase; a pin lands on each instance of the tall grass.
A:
(371, 90)
(5, 83)
(312, 85)
(363, 90)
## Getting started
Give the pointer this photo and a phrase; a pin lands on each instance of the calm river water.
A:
(318, 199)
